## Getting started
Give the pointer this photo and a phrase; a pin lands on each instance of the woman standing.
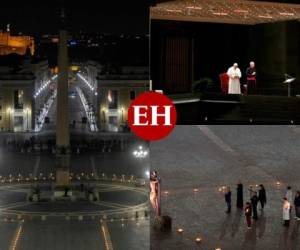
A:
(262, 196)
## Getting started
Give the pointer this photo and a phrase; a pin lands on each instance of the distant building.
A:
(110, 90)
(15, 44)
(116, 91)
(18, 107)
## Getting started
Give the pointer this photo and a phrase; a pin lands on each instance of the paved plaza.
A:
(196, 162)
(76, 112)
(120, 218)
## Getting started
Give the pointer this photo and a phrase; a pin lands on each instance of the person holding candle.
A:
(286, 208)
(289, 196)
(248, 214)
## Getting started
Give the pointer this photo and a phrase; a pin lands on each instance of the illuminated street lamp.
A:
(121, 111)
(103, 115)
(9, 111)
(141, 153)
(27, 117)
(147, 173)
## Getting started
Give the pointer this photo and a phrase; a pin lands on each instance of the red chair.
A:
(224, 78)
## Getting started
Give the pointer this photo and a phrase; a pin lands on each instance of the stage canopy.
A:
(225, 11)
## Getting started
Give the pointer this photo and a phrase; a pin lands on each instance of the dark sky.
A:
(31, 16)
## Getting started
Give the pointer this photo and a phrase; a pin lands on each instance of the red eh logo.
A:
(152, 116)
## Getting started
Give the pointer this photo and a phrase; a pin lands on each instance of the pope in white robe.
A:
(234, 74)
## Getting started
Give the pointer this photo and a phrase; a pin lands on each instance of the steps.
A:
(217, 108)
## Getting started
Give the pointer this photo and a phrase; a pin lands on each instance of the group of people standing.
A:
(234, 85)
(287, 206)
(80, 145)
(260, 197)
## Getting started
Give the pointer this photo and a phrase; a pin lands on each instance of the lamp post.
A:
(9, 113)
(27, 118)
(103, 117)
(141, 153)
(121, 111)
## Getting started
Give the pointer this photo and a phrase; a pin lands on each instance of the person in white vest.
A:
(286, 208)
(289, 195)
(234, 74)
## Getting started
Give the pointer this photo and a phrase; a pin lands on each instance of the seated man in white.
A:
(234, 74)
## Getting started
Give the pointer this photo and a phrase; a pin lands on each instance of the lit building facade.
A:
(16, 102)
(15, 44)
(116, 91)
(109, 92)
(18, 107)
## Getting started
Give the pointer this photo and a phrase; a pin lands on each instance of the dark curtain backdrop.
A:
(213, 48)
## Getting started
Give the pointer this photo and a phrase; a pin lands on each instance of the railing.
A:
(91, 87)
(89, 112)
(44, 85)
(45, 110)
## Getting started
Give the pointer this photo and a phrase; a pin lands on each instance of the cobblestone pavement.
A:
(195, 162)
(22, 226)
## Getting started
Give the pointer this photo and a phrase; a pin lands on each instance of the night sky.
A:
(110, 16)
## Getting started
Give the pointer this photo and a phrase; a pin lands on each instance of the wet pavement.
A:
(76, 113)
(195, 162)
(118, 218)
(61, 234)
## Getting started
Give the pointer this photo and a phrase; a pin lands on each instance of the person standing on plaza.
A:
(286, 208)
(262, 196)
(248, 214)
(289, 196)
(254, 201)
(297, 205)
(239, 198)
(228, 200)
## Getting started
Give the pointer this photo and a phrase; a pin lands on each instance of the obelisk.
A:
(62, 126)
